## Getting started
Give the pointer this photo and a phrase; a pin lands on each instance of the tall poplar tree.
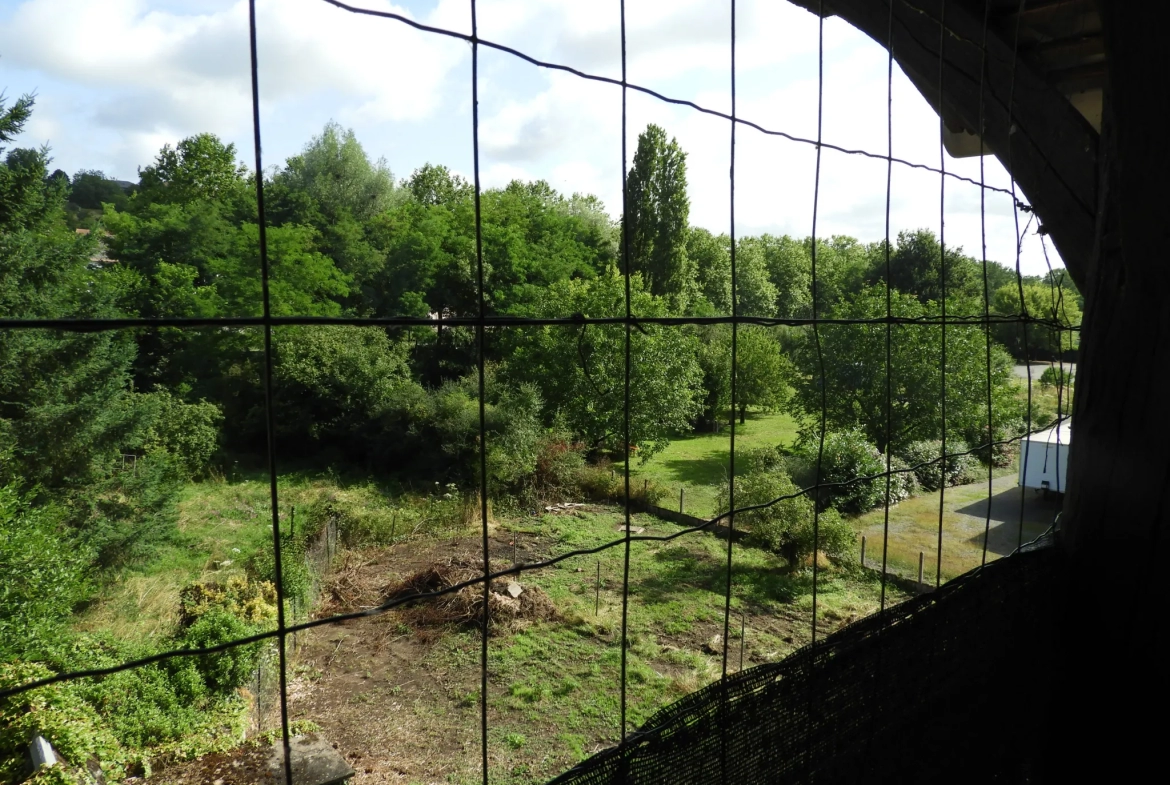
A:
(657, 219)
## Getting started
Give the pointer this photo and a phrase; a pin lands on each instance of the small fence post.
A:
(742, 634)
(921, 556)
(292, 524)
(645, 490)
(863, 550)
(597, 590)
(681, 496)
(393, 525)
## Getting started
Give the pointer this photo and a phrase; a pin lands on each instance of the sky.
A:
(117, 79)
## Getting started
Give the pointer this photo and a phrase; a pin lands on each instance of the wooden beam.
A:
(1047, 145)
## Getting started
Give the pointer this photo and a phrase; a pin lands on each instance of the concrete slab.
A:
(314, 762)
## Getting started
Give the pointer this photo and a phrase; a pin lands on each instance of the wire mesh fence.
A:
(271, 677)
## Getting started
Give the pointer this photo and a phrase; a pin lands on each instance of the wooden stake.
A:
(597, 591)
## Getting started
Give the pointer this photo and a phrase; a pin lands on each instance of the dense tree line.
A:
(346, 237)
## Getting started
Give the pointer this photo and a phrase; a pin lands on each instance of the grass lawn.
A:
(914, 528)
(698, 463)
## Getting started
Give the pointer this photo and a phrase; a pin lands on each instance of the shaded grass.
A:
(698, 463)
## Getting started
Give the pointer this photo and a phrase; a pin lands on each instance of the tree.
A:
(435, 184)
(1049, 302)
(789, 271)
(12, 119)
(334, 175)
(199, 167)
(64, 405)
(657, 216)
(854, 360)
(581, 369)
(755, 294)
(712, 259)
(788, 524)
(332, 384)
(917, 265)
(763, 373)
(90, 189)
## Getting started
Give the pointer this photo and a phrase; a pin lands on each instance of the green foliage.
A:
(91, 189)
(200, 167)
(755, 293)
(933, 471)
(762, 373)
(657, 224)
(1054, 377)
(333, 175)
(786, 525)
(789, 269)
(332, 384)
(225, 670)
(61, 715)
(917, 266)
(581, 371)
(187, 431)
(712, 262)
(46, 573)
(1041, 301)
(855, 374)
(846, 457)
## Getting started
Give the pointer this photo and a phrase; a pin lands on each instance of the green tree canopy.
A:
(581, 369)
(855, 373)
(198, 167)
(657, 219)
(1050, 302)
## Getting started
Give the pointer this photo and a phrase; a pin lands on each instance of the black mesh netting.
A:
(947, 687)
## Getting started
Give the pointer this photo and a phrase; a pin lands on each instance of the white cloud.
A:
(177, 73)
(152, 75)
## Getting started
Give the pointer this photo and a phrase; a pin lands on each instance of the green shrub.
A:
(555, 473)
(188, 431)
(788, 525)
(297, 578)
(1003, 451)
(131, 511)
(44, 573)
(847, 456)
(1055, 377)
(228, 669)
(925, 457)
(601, 482)
(61, 715)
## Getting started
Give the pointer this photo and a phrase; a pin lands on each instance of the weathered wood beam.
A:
(1046, 144)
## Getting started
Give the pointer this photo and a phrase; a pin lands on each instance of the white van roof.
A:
(1057, 434)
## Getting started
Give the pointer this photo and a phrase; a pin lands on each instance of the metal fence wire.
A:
(615, 765)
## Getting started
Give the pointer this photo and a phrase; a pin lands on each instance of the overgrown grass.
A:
(698, 463)
(221, 525)
(554, 687)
